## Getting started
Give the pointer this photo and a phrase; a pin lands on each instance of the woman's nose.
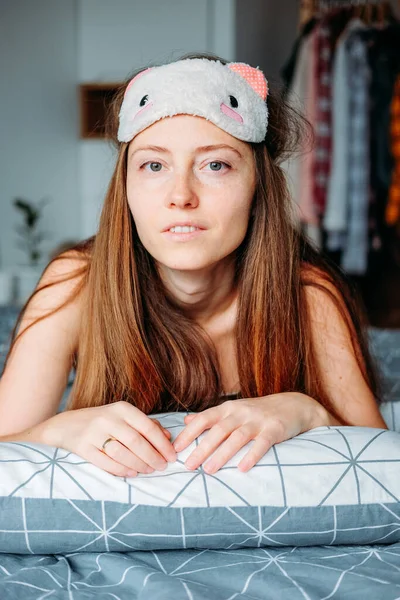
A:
(182, 191)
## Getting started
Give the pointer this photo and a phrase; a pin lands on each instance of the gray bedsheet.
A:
(289, 573)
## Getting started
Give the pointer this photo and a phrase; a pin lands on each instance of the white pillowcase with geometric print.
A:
(330, 485)
(323, 466)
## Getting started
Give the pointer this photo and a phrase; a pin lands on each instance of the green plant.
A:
(31, 237)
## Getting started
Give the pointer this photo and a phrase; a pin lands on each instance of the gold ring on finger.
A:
(110, 439)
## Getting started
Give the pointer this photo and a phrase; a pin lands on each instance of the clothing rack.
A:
(333, 182)
(367, 10)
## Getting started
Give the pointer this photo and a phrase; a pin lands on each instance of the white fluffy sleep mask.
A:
(231, 96)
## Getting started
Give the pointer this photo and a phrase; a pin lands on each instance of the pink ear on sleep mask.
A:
(132, 81)
(254, 77)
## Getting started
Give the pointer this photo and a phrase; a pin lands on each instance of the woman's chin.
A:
(186, 265)
(187, 268)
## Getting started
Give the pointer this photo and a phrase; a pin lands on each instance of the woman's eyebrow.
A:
(200, 149)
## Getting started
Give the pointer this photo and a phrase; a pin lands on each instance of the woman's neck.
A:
(213, 305)
(204, 297)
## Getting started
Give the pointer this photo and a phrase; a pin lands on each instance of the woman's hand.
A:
(268, 420)
(141, 444)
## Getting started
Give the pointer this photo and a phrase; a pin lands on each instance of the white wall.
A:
(47, 47)
(38, 117)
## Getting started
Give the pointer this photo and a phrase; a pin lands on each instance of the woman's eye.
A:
(218, 164)
(157, 164)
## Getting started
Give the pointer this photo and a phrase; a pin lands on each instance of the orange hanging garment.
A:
(392, 213)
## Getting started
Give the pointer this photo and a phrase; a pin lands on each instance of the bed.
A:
(318, 517)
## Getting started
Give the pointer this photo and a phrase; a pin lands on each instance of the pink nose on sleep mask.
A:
(231, 96)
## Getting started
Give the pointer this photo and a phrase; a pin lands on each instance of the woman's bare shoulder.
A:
(313, 273)
(37, 368)
(58, 298)
(69, 265)
(60, 288)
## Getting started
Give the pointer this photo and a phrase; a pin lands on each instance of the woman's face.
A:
(178, 172)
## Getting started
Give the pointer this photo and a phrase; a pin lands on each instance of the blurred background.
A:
(61, 61)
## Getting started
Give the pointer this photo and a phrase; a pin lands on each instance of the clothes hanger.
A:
(368, 14)
(324, 6)
(358, 10)
(380, 13)
(365, 11)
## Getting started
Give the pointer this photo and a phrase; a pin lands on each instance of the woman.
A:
(237, 318)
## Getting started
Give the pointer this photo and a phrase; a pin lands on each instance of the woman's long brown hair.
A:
(135, 343)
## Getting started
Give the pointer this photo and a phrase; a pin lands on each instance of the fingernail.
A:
(178, 447)
(209, 467)
(149, 470)
(162, 466)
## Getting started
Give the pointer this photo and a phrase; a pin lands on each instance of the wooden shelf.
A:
(94, 99)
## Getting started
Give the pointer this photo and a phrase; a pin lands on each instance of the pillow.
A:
(330, 485)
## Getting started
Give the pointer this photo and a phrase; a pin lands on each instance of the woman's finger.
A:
(105, 462)
(238, 438)
(189, 418)
(167, 433)
(134, 446)
(201, 421)
(124, 455)
(261, 446)
(217, 434)
(148, 430)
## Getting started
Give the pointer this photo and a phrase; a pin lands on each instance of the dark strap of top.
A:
(233, 396)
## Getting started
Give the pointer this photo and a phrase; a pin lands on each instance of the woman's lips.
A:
(183, 237)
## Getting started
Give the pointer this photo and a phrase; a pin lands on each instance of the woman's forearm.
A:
(325, 418)
(331, 420)
(35, 434)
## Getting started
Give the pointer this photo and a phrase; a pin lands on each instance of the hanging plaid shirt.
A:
(323, 142)
(355, 255)
(392, 213)
(326, 35)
